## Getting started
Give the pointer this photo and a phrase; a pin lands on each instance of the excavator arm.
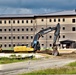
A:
(36, 45)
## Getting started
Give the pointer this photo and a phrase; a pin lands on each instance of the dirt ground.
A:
(43, 63)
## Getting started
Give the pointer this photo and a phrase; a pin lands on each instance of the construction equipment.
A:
(23, 49)
(35, 45)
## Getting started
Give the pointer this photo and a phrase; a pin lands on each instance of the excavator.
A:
(35, 45)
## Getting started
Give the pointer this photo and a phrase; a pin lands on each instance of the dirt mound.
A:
(44, 51)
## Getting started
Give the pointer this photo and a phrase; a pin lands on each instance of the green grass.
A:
(73, 64)
(68, 69)
(6, 60)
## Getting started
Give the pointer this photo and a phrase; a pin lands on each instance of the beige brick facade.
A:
(21, 30)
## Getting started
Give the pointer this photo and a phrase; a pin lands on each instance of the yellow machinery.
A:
(23, 49)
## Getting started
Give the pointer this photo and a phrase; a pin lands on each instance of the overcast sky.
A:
(35, 6)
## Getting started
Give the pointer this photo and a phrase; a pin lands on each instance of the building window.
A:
(27, 37)
(31, 29)
(50, 45)
(13, 45)
(63, 20)
(63, 28)
(50, 20)
(26, 21)
(22, 21)
(18, 29)
(22, 37)
(9, 29)
(26, 29)
(73, 20)
(9, 37)
(63, 36)
(31, 37)
(13, 37)
(18, 21)
(0, 30)
(54, 20)
(13, 21)
(9, 22)
(13, 29)
(0, 37)
(58, 20)
(0, 22)
(0, 45)
(5, 37)
(5, 22)
(5, 45)
(42, 20)
(18, 37)
(42, 44)
(4, 29)
(50, 37)
(22, 29)
(31, 21)
(9, 45)
(73, 28)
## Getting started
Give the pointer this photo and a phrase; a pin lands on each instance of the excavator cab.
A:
(36, 46)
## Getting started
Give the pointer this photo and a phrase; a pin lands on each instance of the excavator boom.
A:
(36, 45)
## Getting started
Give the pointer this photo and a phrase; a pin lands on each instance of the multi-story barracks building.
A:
(21, 29)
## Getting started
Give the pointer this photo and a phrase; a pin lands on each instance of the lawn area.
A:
(68, 69)
(6, 60)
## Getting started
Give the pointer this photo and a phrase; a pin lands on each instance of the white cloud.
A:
(15, 11)
(35, 6)
(5, 10)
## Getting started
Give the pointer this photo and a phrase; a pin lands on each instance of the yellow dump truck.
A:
(23, 49)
